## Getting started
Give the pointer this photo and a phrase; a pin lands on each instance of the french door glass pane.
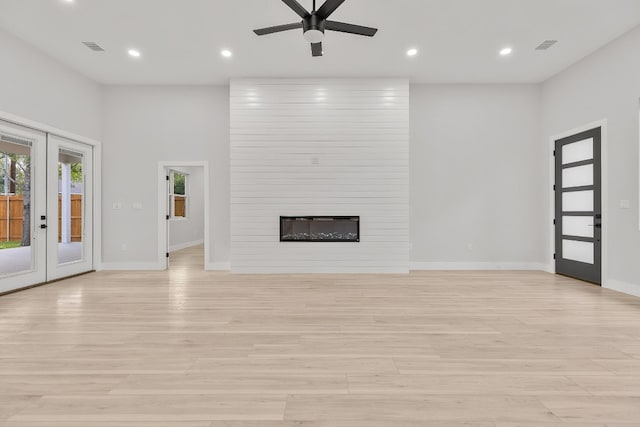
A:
(577, 151)
(577, 201)
(70, 206)
(577, 177)
(578, 251)
(580, 226)
(16, 196)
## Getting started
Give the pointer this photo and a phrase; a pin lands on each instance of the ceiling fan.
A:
(315, 23)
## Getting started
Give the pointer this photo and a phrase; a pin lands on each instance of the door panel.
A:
(70, 232)
(578, 211)
(22, 194)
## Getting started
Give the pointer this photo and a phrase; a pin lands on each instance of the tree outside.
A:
(16, 180)
(178, 183)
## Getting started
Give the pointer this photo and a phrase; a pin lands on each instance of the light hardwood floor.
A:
(191, 348)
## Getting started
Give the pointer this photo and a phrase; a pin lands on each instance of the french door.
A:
(46, 200)
(69, 208)
(23, 245)
(578, 206)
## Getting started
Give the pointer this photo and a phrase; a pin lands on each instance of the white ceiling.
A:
(181, 40)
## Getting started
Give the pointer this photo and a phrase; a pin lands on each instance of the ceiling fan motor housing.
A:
(313, 28)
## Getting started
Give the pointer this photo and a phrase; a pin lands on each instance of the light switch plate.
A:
(625, 204)
(117, 205)
(137, 206)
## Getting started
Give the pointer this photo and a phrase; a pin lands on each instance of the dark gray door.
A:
(578, 212)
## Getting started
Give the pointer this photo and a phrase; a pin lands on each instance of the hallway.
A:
(190, 258)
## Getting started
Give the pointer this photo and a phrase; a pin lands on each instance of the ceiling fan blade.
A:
(350, 28)
(316, 49)
(297, 8)
(328, 8)
(277, 29)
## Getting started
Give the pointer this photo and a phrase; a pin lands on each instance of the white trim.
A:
(132, 266)
(46, 128)
(513, 266)
(549, 268)
(97, 207)
(218, 266)
(624, 287)
(604, 144)
(97, 173)
(163, 231)
(185, 245)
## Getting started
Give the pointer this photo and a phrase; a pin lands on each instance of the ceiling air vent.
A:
(546, 44)
(93, 46)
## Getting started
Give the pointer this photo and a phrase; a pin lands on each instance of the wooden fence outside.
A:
(14, 205)
(180, 206)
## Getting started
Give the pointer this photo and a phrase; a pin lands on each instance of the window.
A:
(178, 193)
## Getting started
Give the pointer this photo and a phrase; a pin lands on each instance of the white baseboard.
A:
(263, 270)
(526, 266)
(624, 287)
(218, 266)
(131, 266)
(186, 245)
(549, 268)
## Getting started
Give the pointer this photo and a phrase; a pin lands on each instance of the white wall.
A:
(38, 88)
(189, 231)
(606, 85)
(319, 147)
(145, 125)
(476, 162)
(477, 167)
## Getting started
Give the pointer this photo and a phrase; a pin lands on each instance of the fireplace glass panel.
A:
(320, 229)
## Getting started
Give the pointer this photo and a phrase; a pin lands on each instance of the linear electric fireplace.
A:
(319, 228)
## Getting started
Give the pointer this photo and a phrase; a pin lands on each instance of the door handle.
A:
(597, 223)
(43, 226)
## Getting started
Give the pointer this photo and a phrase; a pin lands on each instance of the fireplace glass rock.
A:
(320, 229)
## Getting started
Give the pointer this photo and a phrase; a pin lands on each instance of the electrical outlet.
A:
(117, 206)
(625, 204)
(137, 206)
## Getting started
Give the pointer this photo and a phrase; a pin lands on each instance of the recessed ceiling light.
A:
(68, 1)
(134, 53)
(506, 51)
(226, 53)
(412, 52)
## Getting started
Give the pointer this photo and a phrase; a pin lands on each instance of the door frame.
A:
(163, 201)
(602, 124)
(97, 173)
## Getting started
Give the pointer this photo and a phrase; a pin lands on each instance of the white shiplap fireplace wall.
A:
(335, 147)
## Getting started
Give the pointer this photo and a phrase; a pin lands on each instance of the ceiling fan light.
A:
(314, 36)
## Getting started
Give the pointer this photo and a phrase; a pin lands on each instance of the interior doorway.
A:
(183, 228)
